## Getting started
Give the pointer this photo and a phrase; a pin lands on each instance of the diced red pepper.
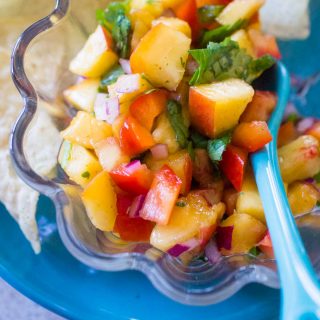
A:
(131, 228)
(134, 177)
(264, 44)
(251, 136)
(261, 107)
(314, 130)
(287, 133)
(162, 196)
(233, 163)
(148, 106)
(265, 245)
(134, 138)
(188, 12)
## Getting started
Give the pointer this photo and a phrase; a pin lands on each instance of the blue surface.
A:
(59, 282)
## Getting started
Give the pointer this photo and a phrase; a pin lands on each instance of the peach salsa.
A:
(166, 118)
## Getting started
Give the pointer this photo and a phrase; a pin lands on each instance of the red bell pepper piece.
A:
(130, 228)
(251, 136)
(265, 245)
(233, 164)
(134, 177)
(148, 106)
(188, 12)
(134, 138)
(162, 196)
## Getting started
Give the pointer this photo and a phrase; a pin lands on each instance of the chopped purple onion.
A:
(224, 237)
(180, 248)
(136, 206)
(133, 166)
(212, 252)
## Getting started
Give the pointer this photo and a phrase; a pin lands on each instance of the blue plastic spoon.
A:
(299, 283)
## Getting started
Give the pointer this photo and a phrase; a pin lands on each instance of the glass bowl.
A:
(56, 39)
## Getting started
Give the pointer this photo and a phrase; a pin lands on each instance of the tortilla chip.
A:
(42, 142)
(19, 199)
(41, 146)
(286, 19)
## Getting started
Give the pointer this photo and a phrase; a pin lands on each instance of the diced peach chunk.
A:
(96, 57)
(161, 55)
(217, 107)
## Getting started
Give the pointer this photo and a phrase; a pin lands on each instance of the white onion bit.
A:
(105, 108)
(125, 65)
(128, 83)
(305, 124)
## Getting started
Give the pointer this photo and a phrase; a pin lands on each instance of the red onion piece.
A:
(106, 108)
(224, 237)
(180, 248)
(305, 124)
(136, 206)
(212, 252)
(310, 180)
(133, 166)
(128, 83)
(191, 67)
(125, 65)
(160, 151)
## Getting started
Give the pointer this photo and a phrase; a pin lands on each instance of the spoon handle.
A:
(300, 288)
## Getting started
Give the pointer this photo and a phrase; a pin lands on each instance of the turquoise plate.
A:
(57, 281)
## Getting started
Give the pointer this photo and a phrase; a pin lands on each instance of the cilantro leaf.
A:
(292, 117)
(181, 203)
(115, 19)
(191, 150)
(198, 140)
(220, 33)
(317, 177)
(220, 61)
(110, 77)
(174, 111)
(85, 175)
(216, 147)
(257, 66)
(207, 14)
(254, 251)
